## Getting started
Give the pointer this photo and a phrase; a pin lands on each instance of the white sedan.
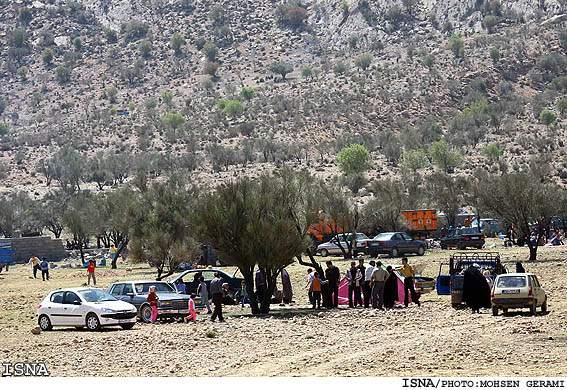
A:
(80, 307)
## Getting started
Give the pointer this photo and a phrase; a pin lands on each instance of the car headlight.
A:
(107, 310)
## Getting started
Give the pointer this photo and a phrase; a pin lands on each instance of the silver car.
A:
(331, 247)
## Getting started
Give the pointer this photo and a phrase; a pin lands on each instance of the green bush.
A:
(562, 106)
(492, 151)
(547, 117)
(47, 56)
(247, 93)
(363, 61)
(217, 14)
(18, 38)
(145, 48)
(291, 14)
(23, 72)
(281, 68)
(340, 68)
(25, 15)
(110, 94)
(457, 46)
(354, 159)
(231, 108)
(429, 61)
(444, 157)
(395, 15)
(111, 35)
(489, 22)
(173, 120)
(3, 129)
(211, 68)
(77, 44)
(134, 30)
(63, 74)
(211, 51)
(200, 42)
(167, 97)
(177, 41)
(494, 54)
(307, 71)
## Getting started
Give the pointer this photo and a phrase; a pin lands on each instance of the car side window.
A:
(116, 289)
(57, 297)
(70, 297)
(407, 237)
(397, 237)
(208, 275)
(127, 289)
(536, 282)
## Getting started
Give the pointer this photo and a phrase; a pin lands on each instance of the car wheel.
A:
(494, 311)
(146, 314)
(420, 251)
(544, 306)
(533, 308)
(504, 311)
(460, 247)
(44, 322)
(93, 323)
(394, 252)
(374, 255)
(127, 326)
(324, 252)
(443, 246)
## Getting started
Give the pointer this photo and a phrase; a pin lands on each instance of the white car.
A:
(520, 290)
(331, 247)
(80, 307)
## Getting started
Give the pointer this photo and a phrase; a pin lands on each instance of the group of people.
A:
(373, 284)
(38, 265)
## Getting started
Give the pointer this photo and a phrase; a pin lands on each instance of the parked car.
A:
(80, 307)
(462, 238)
(516, 291)
(171, 304)
(394, 244)
(191, 283)
(331, 247)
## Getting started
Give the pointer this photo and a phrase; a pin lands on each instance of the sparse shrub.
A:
(307, 71)
(211, 51)
(547, 117)
(551, 65)
(429, 61)
(208, 84)
(217, 14)
(363, 61)
(340, 68)
(18, 38)
(167, 97)
(353, 41)
(3, 129)
(492, 151)
(25, 15)
(173, 120)
(145, 48)
(562, 106)
(200, 42)
(494, 54)
(110, 94)
(77, 43)
(134, 30)
(562, 36)
(177, 41)
(211, 68)
(47, 56)
(63, 74)
(292, 14)
(247, 93)
(23, 72)
(395, 15)
(444, 157)
(110, 35)
(559, 83)
(281, 68)
(489, 22)
(457, 46)
(231, 108)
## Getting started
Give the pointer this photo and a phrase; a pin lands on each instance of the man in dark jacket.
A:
(333, 275)
(218, 294)
(44, 269)
(260, 284)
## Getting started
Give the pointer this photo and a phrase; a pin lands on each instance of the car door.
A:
(127, 294)
(55, 308)
(538, 291)
(408, 243)
(116, 290)
(72, 312)
(398, 242)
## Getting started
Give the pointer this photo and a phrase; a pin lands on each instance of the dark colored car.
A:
(171, 304)
(394, 244)
(462, 238)
(191, 283)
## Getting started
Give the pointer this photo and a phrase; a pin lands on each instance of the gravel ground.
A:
(434, 340)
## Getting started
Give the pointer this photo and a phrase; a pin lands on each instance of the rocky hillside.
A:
(215, 90)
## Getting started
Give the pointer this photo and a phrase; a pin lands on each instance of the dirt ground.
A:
(434, 340)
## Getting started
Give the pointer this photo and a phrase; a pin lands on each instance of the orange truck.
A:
(421, 222)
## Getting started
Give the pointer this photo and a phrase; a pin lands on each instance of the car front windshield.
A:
(384, 236)
(511, 281)
(143, 288)
(96, 295)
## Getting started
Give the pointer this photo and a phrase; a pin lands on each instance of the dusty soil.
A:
(434, 340)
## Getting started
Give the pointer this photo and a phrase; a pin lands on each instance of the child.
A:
(154, 301)
(243, 294)
(192, 314)
(316, 290)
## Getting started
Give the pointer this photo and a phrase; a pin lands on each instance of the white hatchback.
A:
(518, 290)
(80, 307)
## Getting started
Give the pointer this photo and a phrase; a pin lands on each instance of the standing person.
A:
(409, 274)
(34, 261)
(286, 287)
(332, 274)
(260, 284)
(218, 295)
(520, 268)
(112, 252)
(243, 294)
(91, 272)
(310, 276)
(353, 276)
(476, 291)
(203, 292)
(366, 287)
(192, 314)
(362, 270)
(154, 302)
(378, 281)
(44, 269)
(315, 289)
(390, 288)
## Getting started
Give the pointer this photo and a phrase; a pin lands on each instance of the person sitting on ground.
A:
(315, 289)
(192, 314)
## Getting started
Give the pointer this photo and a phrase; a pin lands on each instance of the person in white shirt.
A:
(310, 277)
(366, 289)
(354, 277)
(378, 281)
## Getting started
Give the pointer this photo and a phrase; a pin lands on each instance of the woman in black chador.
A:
(390, 289)
(476, 292)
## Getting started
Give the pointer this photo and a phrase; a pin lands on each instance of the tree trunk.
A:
(121, 247)
(82, 253)
(249, 278)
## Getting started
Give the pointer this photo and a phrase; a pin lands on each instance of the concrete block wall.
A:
(42, 246)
